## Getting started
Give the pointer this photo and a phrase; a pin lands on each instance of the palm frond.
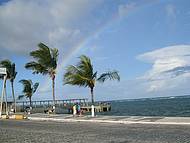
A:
(6, 64)
(36, 67)
(75, 77)
(45, 60)
(109, 75)
(20, 97)
(85, 66)
(54, 55)
(76, 80)
(28, 88)
(35, 86)
(42, 55)
(25, 82)
(73, 69)
(11, 69)
(81, 74)
(94, 76)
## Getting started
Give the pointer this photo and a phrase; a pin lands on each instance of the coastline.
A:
(112, 119)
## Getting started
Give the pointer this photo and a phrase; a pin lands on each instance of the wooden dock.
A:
(66, 105)
(98, 107)
(50, 102)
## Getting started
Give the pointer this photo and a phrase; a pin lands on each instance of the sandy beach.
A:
(79, 132)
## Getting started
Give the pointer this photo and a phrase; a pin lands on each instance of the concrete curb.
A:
(107, 121)
(13, 117)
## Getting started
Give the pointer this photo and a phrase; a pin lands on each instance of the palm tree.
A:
(28, 89)
(45, 63)
(11, 75)
(83, 75)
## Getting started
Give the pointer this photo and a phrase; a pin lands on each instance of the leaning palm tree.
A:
(83, 75)
(45, 63)
(28, 89)
(11, 75)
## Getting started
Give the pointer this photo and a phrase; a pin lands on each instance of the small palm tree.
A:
(28, 89)
(83, 75)
(11, 75)
(45, 63)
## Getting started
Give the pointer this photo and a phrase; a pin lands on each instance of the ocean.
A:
(163, 106)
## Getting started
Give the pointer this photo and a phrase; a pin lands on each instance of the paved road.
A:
(52, 132)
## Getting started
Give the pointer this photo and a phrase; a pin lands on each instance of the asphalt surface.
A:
(78, 132)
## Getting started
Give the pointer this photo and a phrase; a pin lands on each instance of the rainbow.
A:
(74, 50)
(115, 17)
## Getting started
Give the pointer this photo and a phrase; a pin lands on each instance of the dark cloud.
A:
(179, 70)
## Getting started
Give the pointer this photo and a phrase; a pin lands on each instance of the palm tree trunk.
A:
(5, 92)
(13, 94)
(30, 98)
(92, 94)
(53, 88)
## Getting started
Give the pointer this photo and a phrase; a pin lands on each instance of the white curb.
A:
(107, 121)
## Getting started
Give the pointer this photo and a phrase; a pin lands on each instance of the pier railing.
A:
(50, 102)
(62, 105)
(21, 105)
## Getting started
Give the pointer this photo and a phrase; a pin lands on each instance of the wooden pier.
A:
(63, 106)
(105, 107)
(50, 102)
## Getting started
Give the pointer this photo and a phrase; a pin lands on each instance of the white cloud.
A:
(59, 23)
(170, 67)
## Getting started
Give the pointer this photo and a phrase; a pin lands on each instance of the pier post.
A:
(92, 110)
(3, 72)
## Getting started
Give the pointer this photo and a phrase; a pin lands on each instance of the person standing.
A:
(79, 109)
(74, 110)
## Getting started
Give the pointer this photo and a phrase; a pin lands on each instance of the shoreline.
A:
(112, 119)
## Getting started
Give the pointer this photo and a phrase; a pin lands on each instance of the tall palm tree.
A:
(45, 63)
(83, 75)
(11, 75)
(28, 89)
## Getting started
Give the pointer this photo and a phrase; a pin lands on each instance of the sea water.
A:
(167, 106)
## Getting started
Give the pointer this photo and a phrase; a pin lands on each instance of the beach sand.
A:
(83, 132)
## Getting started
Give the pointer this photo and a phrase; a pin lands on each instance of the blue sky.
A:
(147, 41)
